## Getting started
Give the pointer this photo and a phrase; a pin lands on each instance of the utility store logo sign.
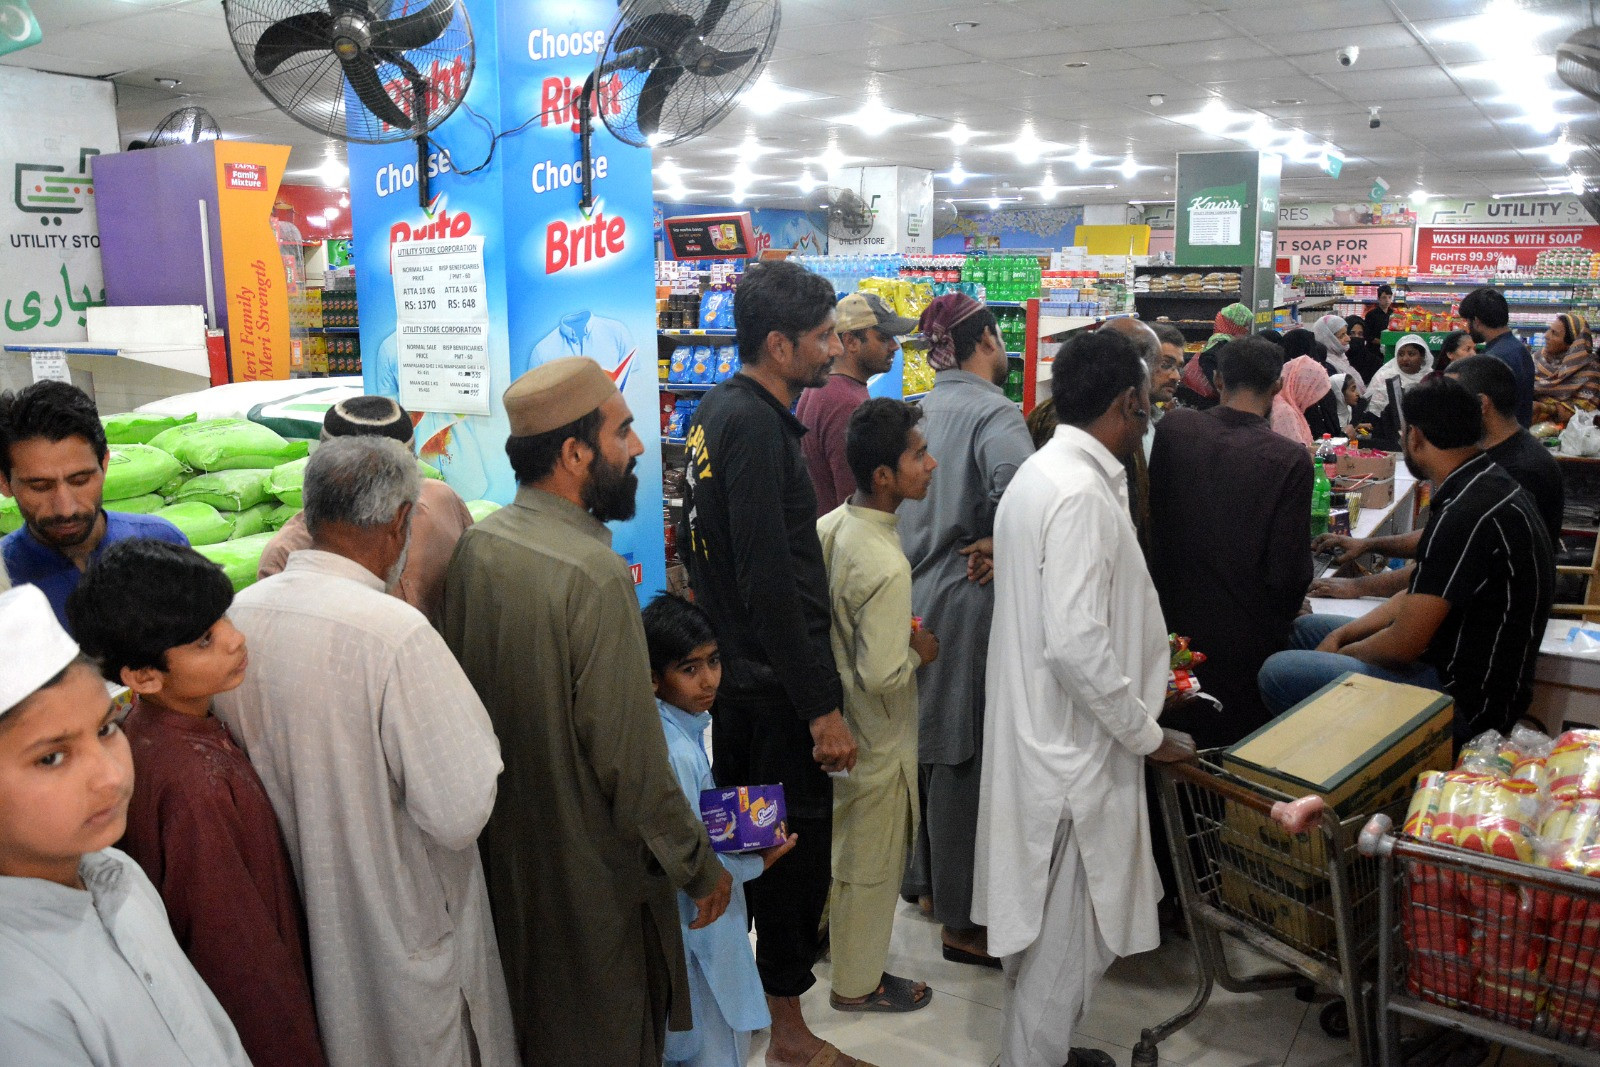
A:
(250, 177)
(1215, 215)
(47, 191)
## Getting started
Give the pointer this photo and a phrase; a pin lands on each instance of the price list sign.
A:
(444, 366)
(442, 326)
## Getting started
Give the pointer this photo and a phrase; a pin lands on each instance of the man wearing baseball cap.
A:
(867, 329)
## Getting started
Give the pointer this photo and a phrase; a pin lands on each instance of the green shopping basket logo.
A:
(50, 192)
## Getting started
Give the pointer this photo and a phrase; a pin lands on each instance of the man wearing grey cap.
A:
(867, 329)
(437, 521)
(591, 834)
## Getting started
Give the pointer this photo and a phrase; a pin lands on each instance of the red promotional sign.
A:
(1356, 251)
(251, 176)
(1480, 249)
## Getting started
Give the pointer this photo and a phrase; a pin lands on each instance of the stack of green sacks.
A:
(223, 501)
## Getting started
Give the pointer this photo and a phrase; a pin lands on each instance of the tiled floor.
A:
(961, 1028)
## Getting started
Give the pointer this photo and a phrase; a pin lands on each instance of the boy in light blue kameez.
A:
(725, 989)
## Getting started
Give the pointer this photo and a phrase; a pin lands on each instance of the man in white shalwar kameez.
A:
(381, 765)
(1065, 879)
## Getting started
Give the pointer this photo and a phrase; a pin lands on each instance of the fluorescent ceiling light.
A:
(874, 117)
(1083, 159)
(992, 201)
(1047, 188)
(1027, 148)
(333, 173)
(956, 175)
(1561, 151)
(1575, 183)
(1130, 168)
(959, 134)
(1418, 196)
(831, 159)
(767, 96)
(806, 182)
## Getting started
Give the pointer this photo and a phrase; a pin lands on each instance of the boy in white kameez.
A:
(878, 651)
(89, 970)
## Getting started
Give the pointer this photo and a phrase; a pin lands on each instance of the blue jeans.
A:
(1289, 677)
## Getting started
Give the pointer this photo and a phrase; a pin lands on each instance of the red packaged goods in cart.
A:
(1441, 977)
(1514, 999)
(1575, 1016)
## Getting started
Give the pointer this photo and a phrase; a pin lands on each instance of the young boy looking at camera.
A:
(89, 971)
(724, 987)
(878, 651)
(154, 616)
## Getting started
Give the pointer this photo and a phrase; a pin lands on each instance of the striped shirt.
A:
(1486, 551)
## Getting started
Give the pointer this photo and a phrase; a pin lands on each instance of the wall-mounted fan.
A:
(187, 125)
(1578, 62)
(850, 218)
(372, 71)
(944, 218)
(671, 69)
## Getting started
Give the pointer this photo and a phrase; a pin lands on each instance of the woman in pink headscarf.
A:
(1305, 383)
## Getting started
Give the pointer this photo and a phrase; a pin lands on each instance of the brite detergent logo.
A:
(576, 244)
(441, 224)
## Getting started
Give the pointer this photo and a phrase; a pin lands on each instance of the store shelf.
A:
(911, 398)
(674, 441)
(1188, 296)
(729, 334)
(687, 387)
(327, 329)
(1050, 325)
(1004, 304)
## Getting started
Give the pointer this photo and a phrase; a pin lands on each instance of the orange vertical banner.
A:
(248, 176)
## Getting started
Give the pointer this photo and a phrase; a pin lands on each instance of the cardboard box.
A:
(1373, 493)
(1358, 742)
(1379, 466)
(1304, 923)
(744, 818)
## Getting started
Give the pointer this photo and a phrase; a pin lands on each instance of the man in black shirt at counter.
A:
(755, 563)
(1513, 448)
(1480, 595)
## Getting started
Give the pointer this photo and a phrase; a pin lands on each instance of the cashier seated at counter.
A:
(1479, 597)
(1513, 448)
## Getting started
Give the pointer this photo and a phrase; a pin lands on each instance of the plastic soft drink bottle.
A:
(1014, 382)
(1321, 498)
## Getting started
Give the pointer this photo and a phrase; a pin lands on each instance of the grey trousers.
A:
(941, 863)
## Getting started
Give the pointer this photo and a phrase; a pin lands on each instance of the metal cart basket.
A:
(1501, 950)
(1309, 902)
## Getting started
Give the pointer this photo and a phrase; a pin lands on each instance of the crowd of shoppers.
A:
(427, 792)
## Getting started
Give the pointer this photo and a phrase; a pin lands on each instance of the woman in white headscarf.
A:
(1411, 363)
(1334, 333)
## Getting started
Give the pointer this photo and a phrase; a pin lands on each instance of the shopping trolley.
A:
(1500, 950)
(1309, 902)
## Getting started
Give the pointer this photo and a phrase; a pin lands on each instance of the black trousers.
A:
(763, 742)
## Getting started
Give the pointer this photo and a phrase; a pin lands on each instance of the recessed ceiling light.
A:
(1157, 99)
(1288, 101)
(168, 83)
(1075, 65)
(961, 27)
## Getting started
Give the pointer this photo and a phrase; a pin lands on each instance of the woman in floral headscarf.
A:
(1567, 378)
(1234, 320)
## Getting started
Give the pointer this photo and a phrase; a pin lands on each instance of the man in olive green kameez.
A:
(590, 835)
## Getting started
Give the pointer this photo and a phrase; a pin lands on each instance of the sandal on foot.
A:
(893, 995)
(977, 959)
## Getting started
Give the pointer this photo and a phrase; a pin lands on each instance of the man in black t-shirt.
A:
(1480, 595)
(1516, 450)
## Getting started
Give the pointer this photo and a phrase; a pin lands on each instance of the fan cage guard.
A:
(312, 89)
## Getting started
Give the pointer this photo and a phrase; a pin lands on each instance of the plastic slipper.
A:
(894, 995)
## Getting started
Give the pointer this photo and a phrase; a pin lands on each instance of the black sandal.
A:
(893, 995)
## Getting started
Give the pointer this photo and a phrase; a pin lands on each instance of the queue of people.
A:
(428, 792)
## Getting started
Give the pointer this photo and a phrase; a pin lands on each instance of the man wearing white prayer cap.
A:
(89, 969)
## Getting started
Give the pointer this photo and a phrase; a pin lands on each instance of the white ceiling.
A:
(1440, 77)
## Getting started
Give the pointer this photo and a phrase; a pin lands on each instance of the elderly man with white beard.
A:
(382, 767)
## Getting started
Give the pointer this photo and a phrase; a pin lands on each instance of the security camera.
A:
(1373, 121)
(1348, 55)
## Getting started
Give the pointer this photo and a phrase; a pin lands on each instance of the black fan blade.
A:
(713, 15)
(362, 73)
(657, 87)
(713, 64)
(350, 7)
(287, 38)
(415, 30)
(665, 32)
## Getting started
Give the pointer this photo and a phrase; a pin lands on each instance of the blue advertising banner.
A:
(558, 283)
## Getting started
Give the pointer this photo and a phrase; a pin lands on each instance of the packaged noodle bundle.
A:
(1571, 836)
(1503, 820)
(1424, 809)
(1572, 770)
